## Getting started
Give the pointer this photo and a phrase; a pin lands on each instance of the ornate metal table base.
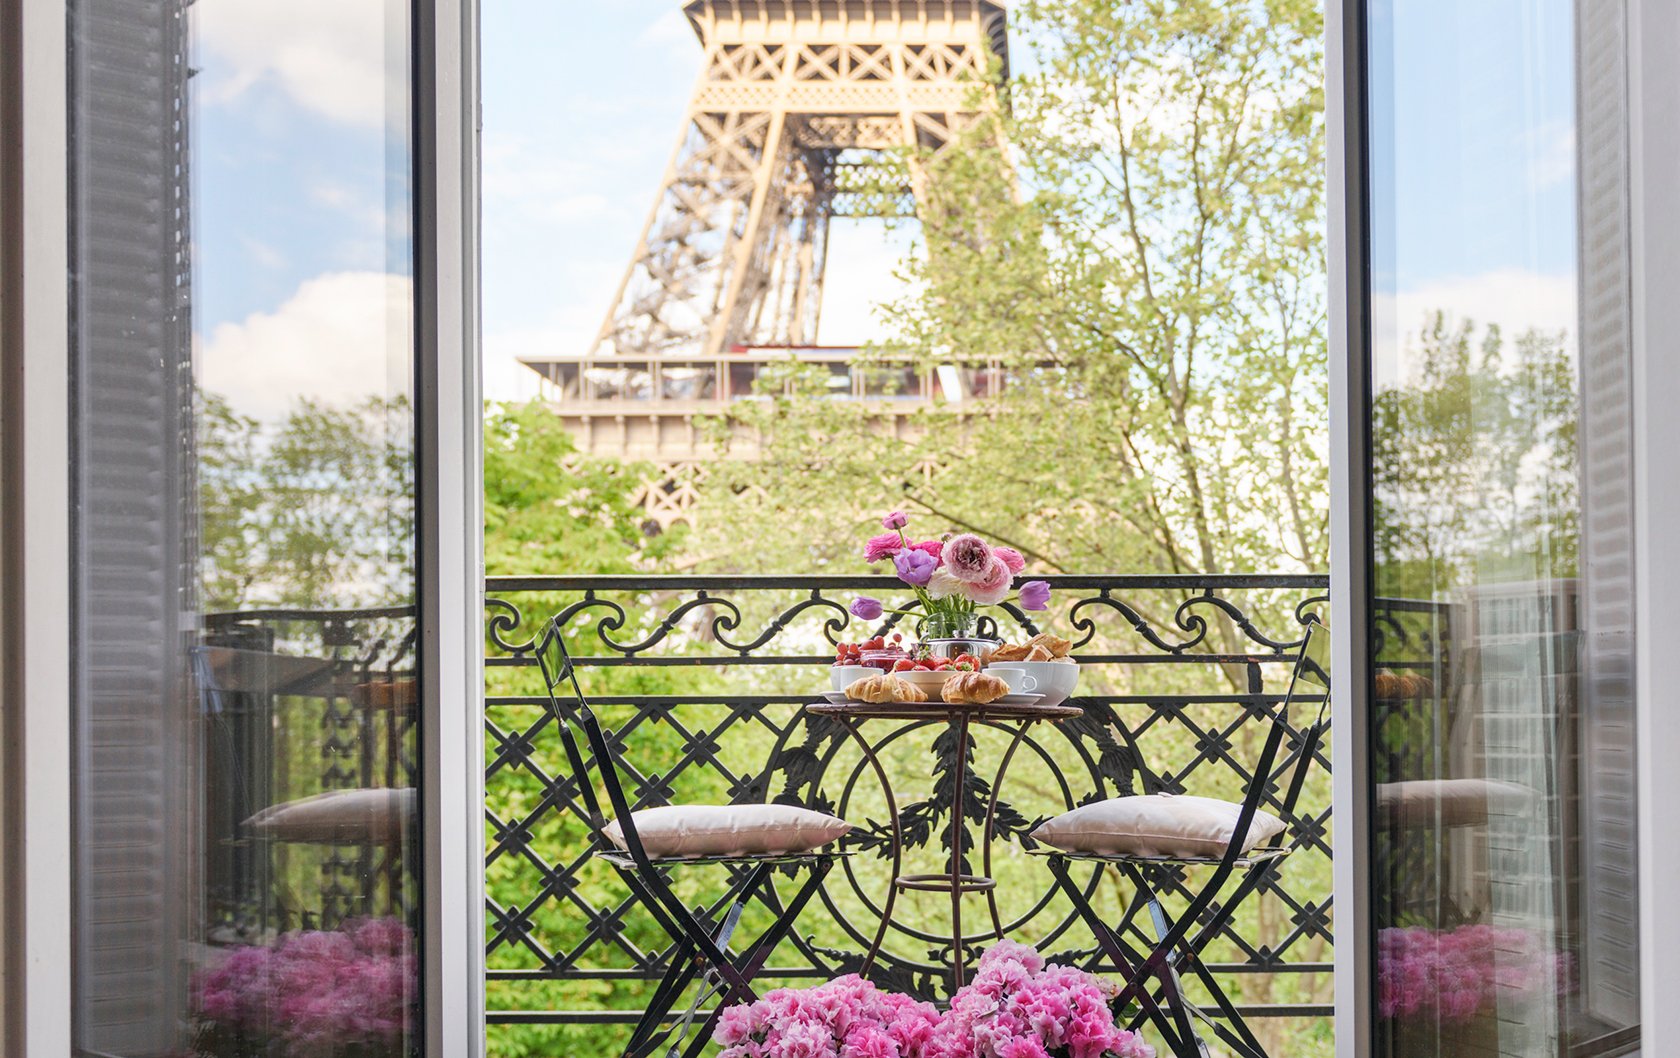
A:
(954, 881)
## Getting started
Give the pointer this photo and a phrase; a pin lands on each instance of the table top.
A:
(943, 711)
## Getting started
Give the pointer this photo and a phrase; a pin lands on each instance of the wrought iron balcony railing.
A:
(704, 680)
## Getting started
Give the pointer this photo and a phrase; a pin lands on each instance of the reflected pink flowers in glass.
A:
(316, 992)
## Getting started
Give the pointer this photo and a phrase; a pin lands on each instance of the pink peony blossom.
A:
(968, 557)
(1011, 558)
(884, 546)
(991, 589)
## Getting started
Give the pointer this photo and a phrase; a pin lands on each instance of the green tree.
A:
(1139, 243)
(316, 511)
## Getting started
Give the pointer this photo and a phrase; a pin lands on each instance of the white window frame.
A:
(35, 427)
(1654, 196)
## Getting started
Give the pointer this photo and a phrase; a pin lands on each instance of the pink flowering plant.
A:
(1454, 976)
(1017, 1006)
(313, 994)
(845, 1018)
(951, 578)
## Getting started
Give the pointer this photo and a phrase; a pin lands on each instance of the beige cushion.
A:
(339, 817)
(1159, 826)
(730, 830)
(1448, 802)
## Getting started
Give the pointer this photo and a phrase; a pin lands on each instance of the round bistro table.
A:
(959, 717)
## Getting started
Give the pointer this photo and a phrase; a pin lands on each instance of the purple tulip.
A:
(915, 567)
(1035, 595)
(865, 607)
(896, 520)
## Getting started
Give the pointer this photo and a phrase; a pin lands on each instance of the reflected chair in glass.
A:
(701, 938)
(1175, 951)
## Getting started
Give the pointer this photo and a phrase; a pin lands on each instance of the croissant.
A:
(1007, 652)
(972, 687)
(884, 688)
(1056, 645)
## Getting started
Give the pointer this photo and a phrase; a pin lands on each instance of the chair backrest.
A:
(574, 716)
(1309, 666)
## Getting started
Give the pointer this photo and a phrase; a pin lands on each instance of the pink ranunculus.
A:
(993, 588)
(968, 557)
(895, 520)
(884, 546)
(1011, 558)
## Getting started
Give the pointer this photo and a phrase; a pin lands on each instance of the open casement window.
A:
(241, 496)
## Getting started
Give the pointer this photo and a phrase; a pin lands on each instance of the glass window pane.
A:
(1503, 881)
(244, 480)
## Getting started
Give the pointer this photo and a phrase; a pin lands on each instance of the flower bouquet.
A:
(1454, 986)
(952, 579)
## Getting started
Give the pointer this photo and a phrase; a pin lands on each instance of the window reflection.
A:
(1503, 876)
(245, 711)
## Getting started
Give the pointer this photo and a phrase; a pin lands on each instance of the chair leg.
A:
(1122, 955)
(681, 970)
(760, 952)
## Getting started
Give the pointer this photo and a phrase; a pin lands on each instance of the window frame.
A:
(35, 554)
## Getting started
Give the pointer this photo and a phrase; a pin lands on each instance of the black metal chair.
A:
(701, 937)
(1175, 950)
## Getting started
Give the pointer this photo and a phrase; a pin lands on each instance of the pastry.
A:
(972, 687)
(1007, 652)
(1056, 645)
(1039, 652)
(884, 688)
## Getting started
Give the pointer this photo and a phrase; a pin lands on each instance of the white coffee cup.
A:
(842, 676)
(1055, 680)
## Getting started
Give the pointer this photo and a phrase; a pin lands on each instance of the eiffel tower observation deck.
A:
(727, 276)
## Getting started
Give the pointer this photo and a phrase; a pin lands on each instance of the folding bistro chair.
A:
(1176, 950)
(701, 938)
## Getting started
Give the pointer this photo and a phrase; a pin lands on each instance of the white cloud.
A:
(1515, 299)
(338, 58)
(340, 338)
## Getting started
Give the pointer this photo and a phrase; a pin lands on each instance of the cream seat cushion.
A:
(677, 831)
(1158, 826)
(1448, 802)
(375, 816)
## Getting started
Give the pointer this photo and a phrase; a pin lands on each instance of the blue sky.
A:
(300, 208)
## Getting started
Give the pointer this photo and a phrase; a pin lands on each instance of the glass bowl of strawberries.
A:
(853, 661)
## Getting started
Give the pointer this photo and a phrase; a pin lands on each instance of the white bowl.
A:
(841, 676)
(928, 680)
(1053, 679)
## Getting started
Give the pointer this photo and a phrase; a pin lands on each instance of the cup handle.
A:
(1031, 682)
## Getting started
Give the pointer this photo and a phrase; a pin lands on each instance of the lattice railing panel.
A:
(703, 682)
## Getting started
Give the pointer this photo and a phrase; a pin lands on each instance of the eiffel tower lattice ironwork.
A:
(734, 251)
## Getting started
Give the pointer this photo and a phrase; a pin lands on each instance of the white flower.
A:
(942, 585)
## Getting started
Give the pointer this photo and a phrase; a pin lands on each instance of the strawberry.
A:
(903, 665)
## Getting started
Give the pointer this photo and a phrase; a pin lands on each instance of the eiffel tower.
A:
(728, 272)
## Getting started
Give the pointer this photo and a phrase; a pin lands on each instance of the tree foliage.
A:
(1138, 243)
